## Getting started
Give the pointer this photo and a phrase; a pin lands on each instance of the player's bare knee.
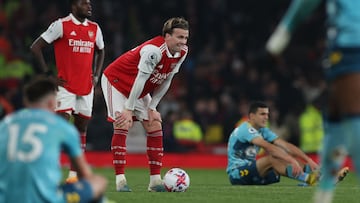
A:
(154, 126)
(120, 127)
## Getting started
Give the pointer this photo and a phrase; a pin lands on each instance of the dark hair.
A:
(176, 22)
(38, 88)
(255, 105)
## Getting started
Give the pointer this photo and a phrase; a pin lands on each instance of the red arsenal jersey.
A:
(74, 52)
(123, 71)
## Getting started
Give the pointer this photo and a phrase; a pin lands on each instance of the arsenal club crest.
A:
(91, 34)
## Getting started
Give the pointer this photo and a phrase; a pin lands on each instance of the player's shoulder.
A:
(244, 125)
(52, 119)
(65, 19)
(93, 23)
(27, 114)
(7, 119)
(245, 128)
(249, 128)
(62, 126)
(152, 51)
(150, 48)
(62, 123)
(152, 44)
(248, 131)
(60, 21)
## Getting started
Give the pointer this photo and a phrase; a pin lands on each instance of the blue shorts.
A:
(341, 61)
(248, 175)
(78, 192)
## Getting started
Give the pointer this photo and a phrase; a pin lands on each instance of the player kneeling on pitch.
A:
(31, 142)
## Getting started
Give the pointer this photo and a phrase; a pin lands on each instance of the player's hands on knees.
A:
(123, 119)
(154, 116)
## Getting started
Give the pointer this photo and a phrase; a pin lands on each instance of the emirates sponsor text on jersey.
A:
(81, 46)
(157, 77)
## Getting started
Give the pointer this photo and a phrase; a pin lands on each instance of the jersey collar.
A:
(85, 23)
(176, 55)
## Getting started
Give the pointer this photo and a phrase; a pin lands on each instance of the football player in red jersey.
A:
(77, 41)
(127, 84)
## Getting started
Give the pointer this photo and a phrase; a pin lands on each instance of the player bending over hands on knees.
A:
(30, 145)
(127, 84)
(282, 158)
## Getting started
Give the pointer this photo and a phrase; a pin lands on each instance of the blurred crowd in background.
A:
(227, 66)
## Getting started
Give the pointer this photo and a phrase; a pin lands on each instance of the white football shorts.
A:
(71, 103)
(115, 101)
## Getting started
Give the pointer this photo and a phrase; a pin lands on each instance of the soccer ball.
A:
(176, 180)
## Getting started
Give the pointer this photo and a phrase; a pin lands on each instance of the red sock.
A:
(155, 151)
(82, 145)
(83, 141)
(118, 149)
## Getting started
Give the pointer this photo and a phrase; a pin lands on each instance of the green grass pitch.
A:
(212, 186)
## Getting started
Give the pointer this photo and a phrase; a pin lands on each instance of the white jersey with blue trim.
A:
(240, 150)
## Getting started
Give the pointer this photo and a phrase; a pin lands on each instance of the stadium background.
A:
(226, 68)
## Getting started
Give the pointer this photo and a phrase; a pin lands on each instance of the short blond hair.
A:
(176, 22)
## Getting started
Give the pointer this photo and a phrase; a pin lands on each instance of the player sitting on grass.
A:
(282, 158)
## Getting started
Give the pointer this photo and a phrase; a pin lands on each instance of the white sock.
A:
(323, 196)
(72, 174)
(119, 178)
(155, 178)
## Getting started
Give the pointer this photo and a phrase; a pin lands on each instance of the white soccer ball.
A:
(176, 180)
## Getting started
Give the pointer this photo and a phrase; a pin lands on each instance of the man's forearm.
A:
(99, 62)
(136, 89)
(160, 92)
